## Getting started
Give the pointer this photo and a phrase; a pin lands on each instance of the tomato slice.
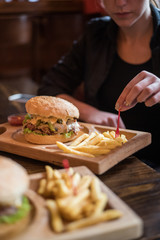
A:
(16, 119)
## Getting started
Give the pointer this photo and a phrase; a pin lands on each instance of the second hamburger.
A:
(15, 207)
(50, 119)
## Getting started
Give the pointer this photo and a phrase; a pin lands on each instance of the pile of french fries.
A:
(93, 144)
(74, 201)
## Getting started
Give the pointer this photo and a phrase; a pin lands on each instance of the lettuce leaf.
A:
(69, 134)
(21, 212)
(27, 130)
(27, 116)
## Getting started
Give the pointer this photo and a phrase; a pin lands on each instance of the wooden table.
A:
(133, 181)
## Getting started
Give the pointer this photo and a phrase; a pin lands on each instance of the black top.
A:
(91, 59)
(138, 118)
(120, 75)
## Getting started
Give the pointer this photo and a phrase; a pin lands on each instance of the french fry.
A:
(95, 189)
(61, 189)
(105, 141)
(63, 202)
(95, 208)
(79, 139)
(42, 186)
(124, 139)
(70, 209)
(74, 210)
(93, 144)
(56, 174)
(88, 209)
(76, 180)
(80, 197)
(72, 214)
(87, 140)
(100, 204)
(93, 150)
(113, 134)
(110, 144)
(72, 151)
(49, 172)
(73, 200)
(56, 220)
(85, 222)
(107, 135)
(70, 171)
(84, 183)
(96, 139)
(49, 188)
(119, 141)
(67, 179)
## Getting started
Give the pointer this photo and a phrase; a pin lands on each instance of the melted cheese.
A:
(44, 119)
(53, 120)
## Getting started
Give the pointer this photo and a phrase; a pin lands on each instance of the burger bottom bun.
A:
(8, 231)
(51, 139)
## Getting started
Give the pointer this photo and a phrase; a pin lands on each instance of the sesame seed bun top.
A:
(48, 106)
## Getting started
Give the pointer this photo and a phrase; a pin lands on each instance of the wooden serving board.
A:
(129, 226)
(12, 141)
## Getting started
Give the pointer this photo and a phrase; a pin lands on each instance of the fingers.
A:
(153, 100)
(121, 102)
(141, 91)
(112, 122)
(106, 119)
(145, 87)
(150, 94)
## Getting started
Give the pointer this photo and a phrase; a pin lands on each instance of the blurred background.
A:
(34, 34)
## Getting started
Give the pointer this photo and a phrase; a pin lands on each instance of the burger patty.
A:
(48, 128)
(7, 210)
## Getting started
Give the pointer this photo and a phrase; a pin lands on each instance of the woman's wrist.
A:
(86, 111)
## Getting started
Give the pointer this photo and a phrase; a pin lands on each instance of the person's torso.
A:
(140, 117)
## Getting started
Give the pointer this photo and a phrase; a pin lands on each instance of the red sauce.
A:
(16, 119)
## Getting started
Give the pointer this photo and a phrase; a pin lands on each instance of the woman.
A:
(118, 57)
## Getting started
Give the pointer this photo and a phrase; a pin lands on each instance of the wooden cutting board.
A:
(12, 141)
(129, 226)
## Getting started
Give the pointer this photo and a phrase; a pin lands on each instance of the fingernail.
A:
(117, 106)
(126, 103)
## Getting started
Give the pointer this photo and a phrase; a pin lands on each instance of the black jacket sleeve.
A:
(67, 74)
(88, 61)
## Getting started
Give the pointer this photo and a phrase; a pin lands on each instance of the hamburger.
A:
(14, 205)
(50, 119)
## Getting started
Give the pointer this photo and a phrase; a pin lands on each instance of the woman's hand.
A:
(103, 118)
(144, 87)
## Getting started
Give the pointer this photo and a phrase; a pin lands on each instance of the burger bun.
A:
(14, 183)
(48, 106)
(49, 139)
(8, 231)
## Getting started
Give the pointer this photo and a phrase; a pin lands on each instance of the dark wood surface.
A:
(41, 6)
(36, 34)
(132, 180)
